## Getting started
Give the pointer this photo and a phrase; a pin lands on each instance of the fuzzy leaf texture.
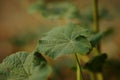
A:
(69, 39)
(24, 66)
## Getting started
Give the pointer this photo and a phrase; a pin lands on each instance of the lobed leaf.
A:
(65, 40)
(24, 66)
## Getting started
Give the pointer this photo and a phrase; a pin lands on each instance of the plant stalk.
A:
(79, 69)
(96, 16)
(99, 76)
(96, 29)
(96, 21)
(78, 72)
(92, 77)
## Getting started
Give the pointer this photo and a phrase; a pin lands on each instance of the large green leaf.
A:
(65, 40)
(24, 66)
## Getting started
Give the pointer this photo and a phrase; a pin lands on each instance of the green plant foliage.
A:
(55, 10)
(38, 5)
(96, 37)
(23, 39)
(96, 64)
(104, 13)
(87, 15)
(65, 40)
(24, 66)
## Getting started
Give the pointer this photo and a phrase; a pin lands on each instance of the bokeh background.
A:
(20, 30)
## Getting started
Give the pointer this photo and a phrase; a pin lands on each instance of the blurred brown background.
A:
(15, 20)
(18, 25)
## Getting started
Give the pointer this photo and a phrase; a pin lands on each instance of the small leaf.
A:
(24, 66)
(96, 63)
(87, 15)
(38, 5)
(104, 14)
(23, 39)
(74, 68)
(65, 40)
(98, 36)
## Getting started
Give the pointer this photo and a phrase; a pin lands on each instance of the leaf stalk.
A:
(96, 21)
(79, 69)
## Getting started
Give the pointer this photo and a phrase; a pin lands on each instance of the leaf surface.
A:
(96, 37)
(24, 66)
(65, 40)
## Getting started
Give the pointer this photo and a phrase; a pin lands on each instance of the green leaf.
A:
(61, 9)
(21, 40)
(24, 66)
(87, 15)
(55, 10)
(96, 64)
(95, 39)
(38, 5)
(74, 68)
(65, 40)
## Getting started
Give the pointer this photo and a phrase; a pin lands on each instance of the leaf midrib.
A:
(23, 65)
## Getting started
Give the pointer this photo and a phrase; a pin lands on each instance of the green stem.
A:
(96, 16)
(79, 69)
(96, 29)
(99, 76)
(96, 21)
(78, 73)
(92, 77)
